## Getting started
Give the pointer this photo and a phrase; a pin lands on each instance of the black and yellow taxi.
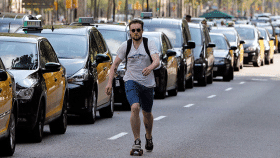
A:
(85, 55)
(178, 32)
(203, 54)
(269, 45)
(254, 46)
(8, 111)
(41, 84)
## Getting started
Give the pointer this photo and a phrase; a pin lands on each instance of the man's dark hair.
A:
(188, 16)
(136, 21)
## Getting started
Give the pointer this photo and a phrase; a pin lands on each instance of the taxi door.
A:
(6, 96)
(51, 80)
(262, 49)
(102, 69)
(271, 50)
(241, 50)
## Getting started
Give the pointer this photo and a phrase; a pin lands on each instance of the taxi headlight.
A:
(80, 76)
(251, 49)
(25, 93)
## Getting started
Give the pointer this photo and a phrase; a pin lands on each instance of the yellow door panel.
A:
(102, 72)
(271, 52)
(51, 89)
(232, 57)
(171, 71)
(276, 40)
(241, 48)
(6, 101)
(262, 49)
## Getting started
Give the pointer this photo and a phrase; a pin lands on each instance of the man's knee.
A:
(147, 114)
(135, 107)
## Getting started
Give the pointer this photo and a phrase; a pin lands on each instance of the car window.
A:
(174, 34)
(230, 35)
(113, 39)
(68, 46)
(220, 42)
(100, 42)
(46, 55)
(164, 46)
(51, 53)
(93, 47)
(246, 34)
(19, 55)
(167, 41)
(2, 65)
(196, 35)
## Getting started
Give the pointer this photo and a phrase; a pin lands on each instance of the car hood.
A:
(220, 53)
(248, 43)
(72, 65)
(24, 78)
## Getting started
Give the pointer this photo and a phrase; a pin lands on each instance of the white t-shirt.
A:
(138, 59)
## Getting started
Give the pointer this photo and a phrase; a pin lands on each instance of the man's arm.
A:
(151, 67)
(113, 70)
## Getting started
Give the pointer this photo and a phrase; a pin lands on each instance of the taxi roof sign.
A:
(146, 15)
(32, 25)
(86, 20)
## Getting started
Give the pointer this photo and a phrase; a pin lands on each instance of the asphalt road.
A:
(236, 119)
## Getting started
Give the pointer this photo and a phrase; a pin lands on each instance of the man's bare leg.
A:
(135, 120)
(148, 122)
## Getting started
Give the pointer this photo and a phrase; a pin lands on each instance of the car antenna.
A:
(9, 27)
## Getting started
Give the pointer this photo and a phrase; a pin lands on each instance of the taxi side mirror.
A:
(51, 67)
(242, 42)
(102, 58)
(233, 48)
(272, 38)
(211, 45)
(3, 75)
(190, 45)
(261, 38)
(170, 53)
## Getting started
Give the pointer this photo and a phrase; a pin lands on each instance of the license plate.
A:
(245, 55)
(215, 68)
(250, 62)
(117, 83)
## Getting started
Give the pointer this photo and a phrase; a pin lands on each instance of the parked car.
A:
(224, 61)
(179, 35)
(84, 53)
(234, 40)
(10, 22)
(269, 45)
(253, 47)
(41, 85)
(8, 111)
(203, 54)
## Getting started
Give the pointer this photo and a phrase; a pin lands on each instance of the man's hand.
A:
(108, 89)
(147, 71)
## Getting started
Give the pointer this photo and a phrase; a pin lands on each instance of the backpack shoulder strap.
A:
(145, 42)
(128, 48)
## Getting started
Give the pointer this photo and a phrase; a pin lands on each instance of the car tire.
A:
(174, 92)
(37, 132)
(237, 67)
(231, 73)
(8, 144)
(271, 61)
(59, 125)
(160, 92)
(108, 111)
(210, 78)
(182, 80)
(90, 116)
(190, 81)
(258, 62)
(203, 80)
(267, 61)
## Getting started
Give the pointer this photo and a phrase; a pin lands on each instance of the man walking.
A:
(139, 81)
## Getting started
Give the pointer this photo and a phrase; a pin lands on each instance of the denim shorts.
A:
(137, 93)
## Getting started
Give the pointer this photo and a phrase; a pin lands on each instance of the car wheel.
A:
(8, 144)
(231, 73)
(203, 80)
(237, 67)
(182, 80)
(189, 82)
(271, 61)
(160, 91)
(59, 126)
(37, 132)
(258, 62)
(210, 78)
(241, 65)
(267, 61)
(108, 111)
(90, 116)
(174, 92)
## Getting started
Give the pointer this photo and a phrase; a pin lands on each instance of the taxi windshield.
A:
(68, 46)
(174, 34)
(19, 55)
(113, 39)
(246, 34)
(219, 41)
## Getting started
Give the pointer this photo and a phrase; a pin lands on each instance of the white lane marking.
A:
(228, 89)
(189, 105)
(242, 82)
(159, 118)
(211, 96)
(254, 79)
(118, 136)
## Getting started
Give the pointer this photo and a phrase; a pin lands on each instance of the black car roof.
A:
(162, 21)
(65, 29)
(15, 37)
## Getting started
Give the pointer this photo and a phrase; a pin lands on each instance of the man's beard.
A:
(137, 39)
